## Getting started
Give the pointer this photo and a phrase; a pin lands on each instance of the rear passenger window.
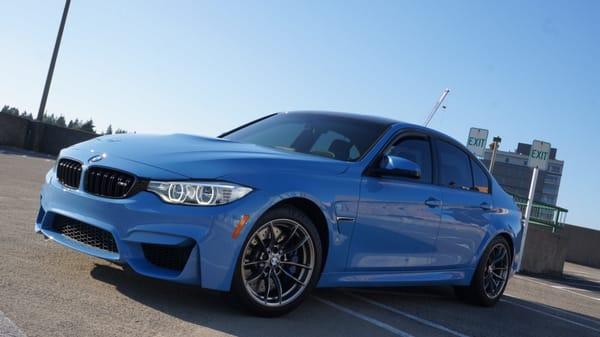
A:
(416, 150)
(455, 168)
(482, 183)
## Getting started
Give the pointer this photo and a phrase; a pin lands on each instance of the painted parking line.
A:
(407, 315)
(365, 318)
(549, 314)
(8, 328)
(566, 289)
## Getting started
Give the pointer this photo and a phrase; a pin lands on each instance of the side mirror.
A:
(398, 166)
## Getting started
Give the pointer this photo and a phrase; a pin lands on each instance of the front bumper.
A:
(144, 220)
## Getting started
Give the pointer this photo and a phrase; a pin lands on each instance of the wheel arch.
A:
(510, 241)
(316, 215)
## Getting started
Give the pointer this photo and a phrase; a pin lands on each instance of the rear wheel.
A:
(279, 264)
(491, 276)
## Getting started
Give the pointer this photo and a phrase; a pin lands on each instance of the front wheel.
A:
(491, 275)
(279, 263)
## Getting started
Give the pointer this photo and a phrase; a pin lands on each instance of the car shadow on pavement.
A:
(571, 281)
(215, 310)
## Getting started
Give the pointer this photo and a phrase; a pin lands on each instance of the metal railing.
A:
(548, 216)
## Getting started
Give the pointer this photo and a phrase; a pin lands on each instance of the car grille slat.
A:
(68, 172)
(105, 182)
(83, 233)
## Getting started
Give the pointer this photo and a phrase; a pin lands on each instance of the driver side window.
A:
(416, 150)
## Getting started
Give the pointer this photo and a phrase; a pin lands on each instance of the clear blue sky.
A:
(523, 69)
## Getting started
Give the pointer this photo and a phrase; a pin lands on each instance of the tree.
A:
(109, 130)
(74, 124)
(61, 122)
(10, 110)
(49, 119)
(88, 126)
(119, 131)
(24, 114)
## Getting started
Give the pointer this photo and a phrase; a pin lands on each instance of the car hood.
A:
(204, 158)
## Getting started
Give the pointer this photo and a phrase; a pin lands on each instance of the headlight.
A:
(197, 193)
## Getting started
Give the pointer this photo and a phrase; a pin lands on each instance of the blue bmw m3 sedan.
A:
(289, 202)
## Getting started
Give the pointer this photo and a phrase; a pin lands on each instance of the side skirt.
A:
(396, 279)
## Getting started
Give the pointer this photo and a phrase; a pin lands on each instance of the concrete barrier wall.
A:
(56, 138)
(583, 245)
(36, 136)
(545, 252)
(13, 130)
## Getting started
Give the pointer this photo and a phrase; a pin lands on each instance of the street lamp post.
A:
(495, 145)
(437, 105)
(40, 114)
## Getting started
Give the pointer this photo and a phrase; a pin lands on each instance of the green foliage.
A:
(60, 121)
(88, 126)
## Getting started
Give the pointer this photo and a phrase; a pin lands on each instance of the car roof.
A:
(358, 117)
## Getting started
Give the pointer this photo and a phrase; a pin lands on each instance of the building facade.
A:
(513, 174)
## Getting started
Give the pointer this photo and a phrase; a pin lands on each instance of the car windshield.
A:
(340, 137)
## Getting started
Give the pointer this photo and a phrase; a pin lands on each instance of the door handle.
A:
(433, 202)
(485, 206)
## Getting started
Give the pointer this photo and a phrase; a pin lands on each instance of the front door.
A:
(398, 218)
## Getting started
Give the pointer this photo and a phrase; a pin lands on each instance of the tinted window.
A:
(334, 145)
(277, 137)
(416, 150)
(482, 184)
(341, 137)
(455, 168)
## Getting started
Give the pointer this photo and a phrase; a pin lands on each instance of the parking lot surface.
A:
(47, 290)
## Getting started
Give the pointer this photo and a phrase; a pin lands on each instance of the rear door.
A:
(467, 205)
(398, 218)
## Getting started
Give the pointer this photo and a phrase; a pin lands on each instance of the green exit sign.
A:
(477, 140)
(539, 155)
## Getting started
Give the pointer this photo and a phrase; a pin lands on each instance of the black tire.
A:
(476, 292)
(239, 288)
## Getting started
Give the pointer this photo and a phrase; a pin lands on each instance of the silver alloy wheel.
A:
(495, 275)
(278, 262)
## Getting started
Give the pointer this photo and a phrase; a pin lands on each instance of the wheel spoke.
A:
(257, 277)
(498, 276)
(296, 247)
(296, 264)
(289, 238)
(268, 287)
(279, 287)
(503, 254)
(252, 263)
(273, 238)
(292, 277)
(264, 247)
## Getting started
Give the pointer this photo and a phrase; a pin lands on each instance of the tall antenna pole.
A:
(437, 106)
(61, 28)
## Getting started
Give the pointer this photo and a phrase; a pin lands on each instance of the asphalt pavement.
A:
(47, 290)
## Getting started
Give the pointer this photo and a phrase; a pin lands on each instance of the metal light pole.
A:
(495, 145)
(437, 106)
(534, 178)
(40, 114)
